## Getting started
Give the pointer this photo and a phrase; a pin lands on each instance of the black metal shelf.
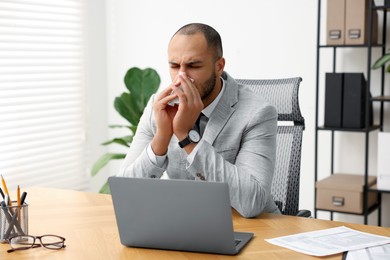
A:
(369, 45)
(353, 46)
(360, 130)
(381, 8)
(369, 210)
(381, 99)
(374, 188)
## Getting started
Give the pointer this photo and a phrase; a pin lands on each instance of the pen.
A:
(23, 197)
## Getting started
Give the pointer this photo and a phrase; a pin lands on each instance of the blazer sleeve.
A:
(250, 177)
(137, 162)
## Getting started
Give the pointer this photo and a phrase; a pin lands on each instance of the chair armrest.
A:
(304, 213)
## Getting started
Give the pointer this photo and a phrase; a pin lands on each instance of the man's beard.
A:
(208, 86)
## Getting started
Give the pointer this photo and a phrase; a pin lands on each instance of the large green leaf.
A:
(119, 126)
(381, 61)
(133, 128)
(104, 159)
(153, 80)
(123, 105)
(126, 140)
(105, 189)
(141, 84)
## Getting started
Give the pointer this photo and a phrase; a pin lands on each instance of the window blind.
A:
(42, 95)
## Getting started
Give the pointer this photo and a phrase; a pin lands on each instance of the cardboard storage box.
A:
(335, 27)
(344, 192)
(356, 21)
(347, 22)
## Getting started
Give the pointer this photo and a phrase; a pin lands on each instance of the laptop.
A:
(179, 215)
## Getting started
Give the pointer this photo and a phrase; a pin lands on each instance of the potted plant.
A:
(141, 85)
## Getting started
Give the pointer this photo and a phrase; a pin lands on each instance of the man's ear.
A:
(220, 66)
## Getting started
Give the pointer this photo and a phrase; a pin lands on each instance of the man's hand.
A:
(178, 120)
(164, 115)
(190, 106)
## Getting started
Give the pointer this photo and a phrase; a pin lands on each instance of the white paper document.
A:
(329, 241)
(374, 253)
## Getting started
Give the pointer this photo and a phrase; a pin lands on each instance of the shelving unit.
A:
(365, 131)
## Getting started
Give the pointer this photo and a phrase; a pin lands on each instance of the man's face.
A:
(189, 54)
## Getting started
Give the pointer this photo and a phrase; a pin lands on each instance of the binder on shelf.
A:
(333, 100)
(335, 32)
(383, 177)
(354, 101)
(356, 21)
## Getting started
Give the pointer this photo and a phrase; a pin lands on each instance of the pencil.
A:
(18, 195)
(6, 190)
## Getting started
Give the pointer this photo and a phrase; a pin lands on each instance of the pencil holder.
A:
(13, 221)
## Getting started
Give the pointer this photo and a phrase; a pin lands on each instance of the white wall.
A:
(262, 39)
(96, 85)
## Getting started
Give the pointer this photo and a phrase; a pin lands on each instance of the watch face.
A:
(194, 136)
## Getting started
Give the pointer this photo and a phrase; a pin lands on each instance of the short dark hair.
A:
(213, 38)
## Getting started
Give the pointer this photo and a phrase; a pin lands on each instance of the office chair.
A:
(283, 94)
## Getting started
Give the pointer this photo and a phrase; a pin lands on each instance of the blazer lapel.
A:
(223, 110)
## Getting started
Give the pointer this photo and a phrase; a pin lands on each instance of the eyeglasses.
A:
(26, 242)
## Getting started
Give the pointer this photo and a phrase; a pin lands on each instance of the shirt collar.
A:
(210, 108)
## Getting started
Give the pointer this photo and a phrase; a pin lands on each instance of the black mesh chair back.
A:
(283, 94)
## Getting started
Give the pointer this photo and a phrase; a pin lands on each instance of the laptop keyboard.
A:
(237, 241)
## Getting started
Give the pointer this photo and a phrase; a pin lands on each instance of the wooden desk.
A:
(88, 223)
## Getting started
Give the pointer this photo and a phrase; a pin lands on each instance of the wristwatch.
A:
(192, 137)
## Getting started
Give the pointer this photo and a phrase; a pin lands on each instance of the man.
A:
(239, 141)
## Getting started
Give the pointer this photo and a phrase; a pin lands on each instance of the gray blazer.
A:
(237, 147)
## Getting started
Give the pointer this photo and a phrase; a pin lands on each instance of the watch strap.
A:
(186, 141)
(183, 143)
